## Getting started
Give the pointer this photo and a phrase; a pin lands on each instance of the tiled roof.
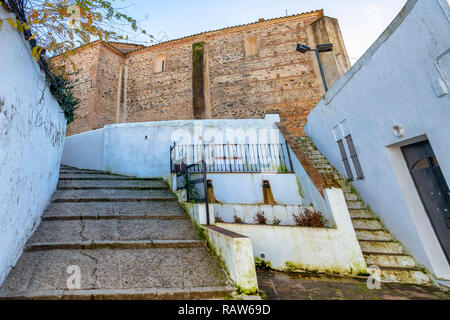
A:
(140, 47)
(320, 12)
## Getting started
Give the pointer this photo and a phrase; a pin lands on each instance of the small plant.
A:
(262, 264)
(260, 218)
(309, 218)
(276, 221)
(218, 218)
(238, 220)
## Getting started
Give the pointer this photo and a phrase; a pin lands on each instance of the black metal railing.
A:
(236, 158)
(192, 178)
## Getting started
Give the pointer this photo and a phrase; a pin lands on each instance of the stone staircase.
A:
(378, 245)
(129, 238)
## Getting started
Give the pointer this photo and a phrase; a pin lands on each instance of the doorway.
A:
(432, 188)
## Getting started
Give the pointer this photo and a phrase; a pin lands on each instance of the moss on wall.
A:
(198, 94)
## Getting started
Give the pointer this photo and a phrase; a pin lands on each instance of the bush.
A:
(310, 218)
(260, 218)
(276, 221)
(238, 220)
(218, 218)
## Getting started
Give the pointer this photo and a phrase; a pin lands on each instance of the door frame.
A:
(421, 196)
(429, 253)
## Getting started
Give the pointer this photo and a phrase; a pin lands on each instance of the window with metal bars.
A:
(354, 157)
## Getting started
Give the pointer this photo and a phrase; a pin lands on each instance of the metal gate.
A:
(192, 178)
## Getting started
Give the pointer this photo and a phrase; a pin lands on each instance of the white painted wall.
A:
(402, 79)
(32, 130)
(309, 249)
(142, 149)
(247, 212)
(236, 253)
(247, 188)
(309, 190)
(84, 150)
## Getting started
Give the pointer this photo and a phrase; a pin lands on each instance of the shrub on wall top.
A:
(309, 218)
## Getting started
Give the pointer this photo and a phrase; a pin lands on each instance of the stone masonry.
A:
(247, 71)
(129, 239)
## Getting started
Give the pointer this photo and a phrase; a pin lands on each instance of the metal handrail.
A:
(235, 158)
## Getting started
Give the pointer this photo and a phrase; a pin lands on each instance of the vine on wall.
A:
(58, 27)
(59, 84)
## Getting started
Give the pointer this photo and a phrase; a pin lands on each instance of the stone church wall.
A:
(240, 72)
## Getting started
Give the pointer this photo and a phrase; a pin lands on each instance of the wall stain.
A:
(2, 103)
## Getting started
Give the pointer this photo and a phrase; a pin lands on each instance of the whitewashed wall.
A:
(142, 149)
(247, 188)
(247, 213)
(324, 250)
(32, 130)
(403, 79)
(85, 150)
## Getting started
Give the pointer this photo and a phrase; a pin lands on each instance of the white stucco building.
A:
(393, 106)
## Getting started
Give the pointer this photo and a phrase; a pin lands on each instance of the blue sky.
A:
(361, 21)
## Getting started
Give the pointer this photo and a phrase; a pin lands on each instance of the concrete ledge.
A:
(92, 245)
(236, 253)
(125, 294)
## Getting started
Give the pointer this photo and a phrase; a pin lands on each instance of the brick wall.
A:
(160, 96)
(277, 80)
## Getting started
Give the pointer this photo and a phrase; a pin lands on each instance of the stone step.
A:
(95, 245)
(324, 167)
(373, 235)
(395, 275)
(385, 260)
(320, 161)
(365, 223)
(110, 273)
(203, 293)
(346, 189)
(311, 151)
(97, 176)
(78, 171)
(69, 231)
(360, 213)
(112, 185)
(94, 216)
(104, 195)
(87, 209)
(381, 247)
(356, 205)
(349, 196)
(316, 157)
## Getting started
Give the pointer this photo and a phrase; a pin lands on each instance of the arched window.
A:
(160, 63)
